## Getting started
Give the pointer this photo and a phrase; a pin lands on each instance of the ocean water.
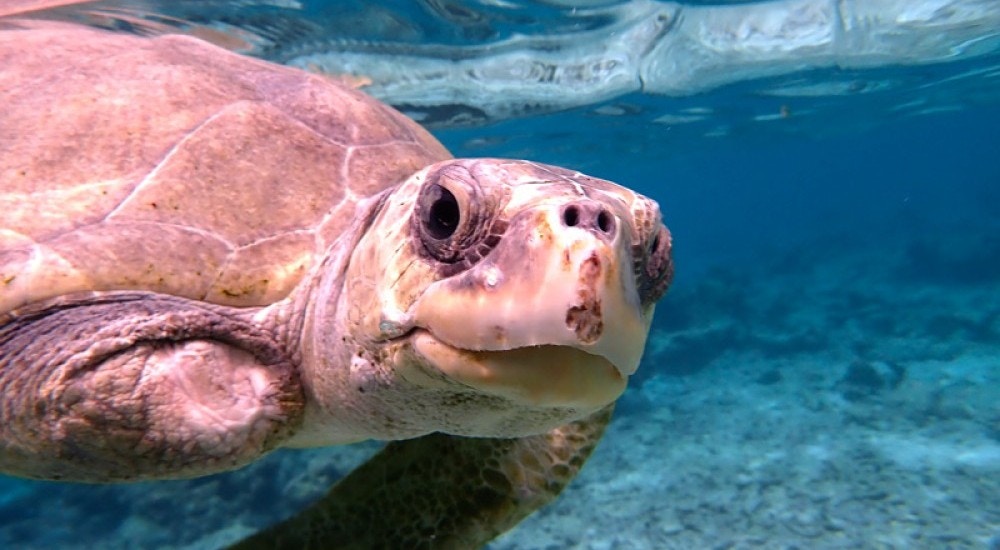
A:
(825, 370)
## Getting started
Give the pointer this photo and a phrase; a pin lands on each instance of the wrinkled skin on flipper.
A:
(440, 492)
(120, 386)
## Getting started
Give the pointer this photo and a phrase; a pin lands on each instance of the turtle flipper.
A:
(125, 386)
(440, 491)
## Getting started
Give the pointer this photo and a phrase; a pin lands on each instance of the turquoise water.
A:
(825, 371)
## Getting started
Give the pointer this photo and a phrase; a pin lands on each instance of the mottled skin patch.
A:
(585, 319)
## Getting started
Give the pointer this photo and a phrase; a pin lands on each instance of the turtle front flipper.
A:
(136, 385)
(440, 491)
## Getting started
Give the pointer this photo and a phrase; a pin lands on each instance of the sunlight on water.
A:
(448, 63)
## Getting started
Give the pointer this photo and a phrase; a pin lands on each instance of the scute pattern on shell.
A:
(174, 166)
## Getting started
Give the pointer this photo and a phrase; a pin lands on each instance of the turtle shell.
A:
(174, 166)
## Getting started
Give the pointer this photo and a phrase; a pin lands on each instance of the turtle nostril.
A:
(589, 216)
(605, 222)
(571, 216)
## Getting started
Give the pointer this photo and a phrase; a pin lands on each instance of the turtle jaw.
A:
(541, 376)
(552, 317)
(543, 285)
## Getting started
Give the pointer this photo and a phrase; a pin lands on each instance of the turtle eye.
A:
(445, 218)
(454, 219)
(443, 215)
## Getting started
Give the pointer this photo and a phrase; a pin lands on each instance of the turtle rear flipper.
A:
(127, 386)
(440, 491)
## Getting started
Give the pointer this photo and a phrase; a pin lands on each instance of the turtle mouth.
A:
(540, 375)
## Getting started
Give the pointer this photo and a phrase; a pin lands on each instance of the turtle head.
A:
(519, 289)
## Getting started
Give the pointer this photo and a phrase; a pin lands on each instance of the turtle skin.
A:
(180, 222)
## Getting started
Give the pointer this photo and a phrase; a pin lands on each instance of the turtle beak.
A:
(545, 376)
(551, 315)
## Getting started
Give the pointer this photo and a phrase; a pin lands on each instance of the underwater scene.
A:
(824, 370)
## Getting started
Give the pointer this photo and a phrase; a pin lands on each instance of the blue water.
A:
(730, 199)
(824, 245)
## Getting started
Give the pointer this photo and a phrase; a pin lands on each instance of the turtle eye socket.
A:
(657, 267)
(454, 219)
(442, 217)
(446, 217)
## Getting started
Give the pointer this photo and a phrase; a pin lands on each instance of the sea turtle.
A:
(206, 256)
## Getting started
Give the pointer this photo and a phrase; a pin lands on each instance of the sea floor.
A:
(848, 401)
(835, 396)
